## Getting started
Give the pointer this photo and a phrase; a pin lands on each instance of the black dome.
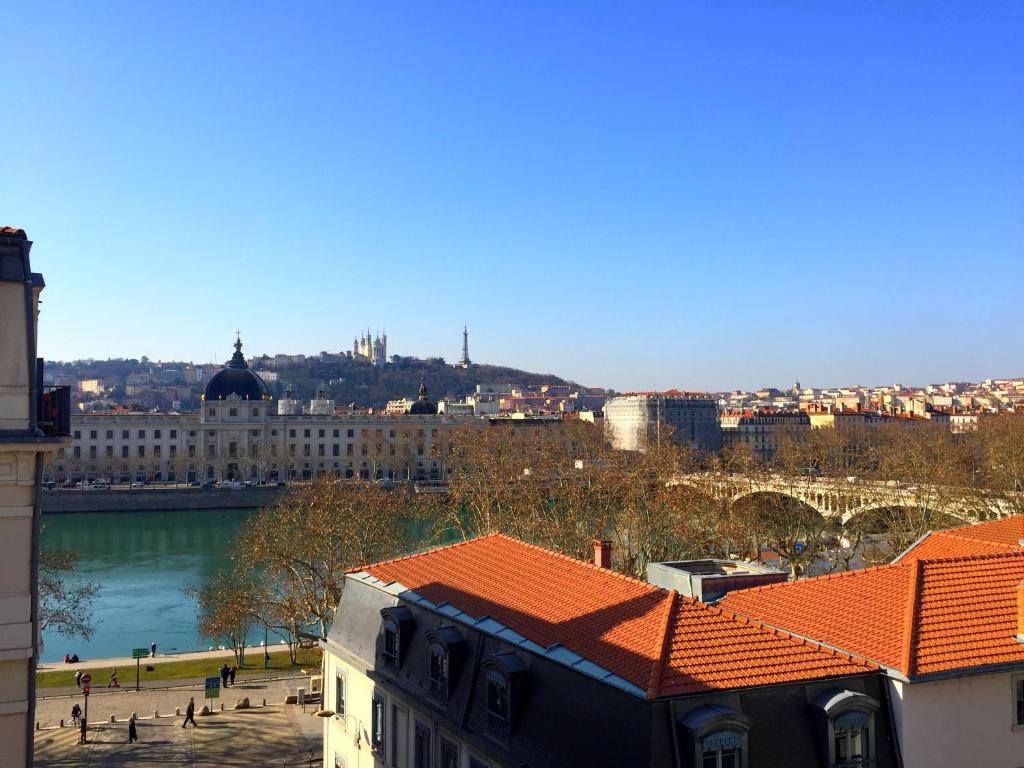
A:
(236, 379)
(423, 406)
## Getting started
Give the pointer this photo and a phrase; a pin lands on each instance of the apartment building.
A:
(33, 423)
(763, 431)
(634, 420)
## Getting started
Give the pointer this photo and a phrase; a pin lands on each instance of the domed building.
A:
(236, 379)
(423, 406)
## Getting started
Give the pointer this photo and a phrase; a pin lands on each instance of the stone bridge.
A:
(845, 498)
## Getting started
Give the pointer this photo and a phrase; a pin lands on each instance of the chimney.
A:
(603, 555)
(1020, 612)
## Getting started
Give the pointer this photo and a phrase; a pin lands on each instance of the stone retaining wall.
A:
(157, 499)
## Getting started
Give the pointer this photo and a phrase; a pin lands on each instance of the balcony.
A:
(53, 415)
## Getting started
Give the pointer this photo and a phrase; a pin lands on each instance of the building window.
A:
(92, 434)
(497, 703)
(142, 434)
(78, 434)
(305, 433)
(339, 694)
(391, 644)
(124, 451)
(850, 740)
(721, 749)
(337, 432)
(211, 411)
(377, 724)
(1018, 700)
(110, 434)
(156, 434)
(351, 433)
(232, 411)
(421, 746)
(439, 671)
(142, 451)
(174, 434)
(109, 451)
(255, 411)
(124, 434)
(449, 754)
(92, 451)
(320, 433)
(291, 433)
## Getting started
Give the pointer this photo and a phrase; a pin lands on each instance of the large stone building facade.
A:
(239, 435)
(33, 423)
(635, 420)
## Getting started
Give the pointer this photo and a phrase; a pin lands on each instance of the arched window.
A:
(396, 630)
(445, 659)
(717, 737)
(848, 727)
(505, 681)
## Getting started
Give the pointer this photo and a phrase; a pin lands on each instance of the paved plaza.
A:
(278, 736)
(275, 735)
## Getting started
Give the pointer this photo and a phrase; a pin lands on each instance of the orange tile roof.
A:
(664, 644)
(978, 539)
(917, 616)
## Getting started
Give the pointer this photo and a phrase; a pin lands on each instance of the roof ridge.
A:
(608, 571)
(664, 642)
(907, 655)
(1011, 553)
(424, 551)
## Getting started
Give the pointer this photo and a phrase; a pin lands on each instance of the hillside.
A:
(367, 385)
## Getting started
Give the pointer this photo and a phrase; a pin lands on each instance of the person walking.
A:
(76, 712)
(190, 713)
(112, 682)
(78, 678)
(224, 673)
(231, 673)
(152, 650)
(133, 735)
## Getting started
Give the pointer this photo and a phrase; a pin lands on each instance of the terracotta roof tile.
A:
(917, 616)
(664, 644)
(978, 539)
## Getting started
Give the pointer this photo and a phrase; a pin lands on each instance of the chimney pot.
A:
(603, 553)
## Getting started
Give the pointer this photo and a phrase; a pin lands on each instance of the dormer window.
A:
(446, 653)
(848, 727)
(716, 737)
(497, 703)
(439, 671)
(396, 631)
(505, 679)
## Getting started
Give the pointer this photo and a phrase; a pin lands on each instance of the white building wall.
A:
(962, 722)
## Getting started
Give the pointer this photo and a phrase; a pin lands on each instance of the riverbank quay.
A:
(179, 668)
(157, 499)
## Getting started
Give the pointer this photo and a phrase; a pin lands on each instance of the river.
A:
(143, 562)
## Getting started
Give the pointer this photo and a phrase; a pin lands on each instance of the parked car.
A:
(137, 484)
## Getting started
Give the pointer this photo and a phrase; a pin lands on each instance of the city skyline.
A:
(688, 198)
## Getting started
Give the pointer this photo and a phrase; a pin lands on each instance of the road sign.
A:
(86, 679)
(213, 688)
(140, 653)
(85, 690)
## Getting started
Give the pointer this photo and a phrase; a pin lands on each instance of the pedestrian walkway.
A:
(122, 702)
(267, 736)
(125, 662)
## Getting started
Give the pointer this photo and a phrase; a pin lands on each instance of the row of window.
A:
(389, 737)
(504, 672)
(126, 434)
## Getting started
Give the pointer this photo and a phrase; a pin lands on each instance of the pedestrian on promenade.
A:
(224, 672)
(74, 658)
(112, 682)
(78, 678)
(190, 713)
(231, 672)
(67, 659)
(133, 735)
(152, 649)
(76, 712)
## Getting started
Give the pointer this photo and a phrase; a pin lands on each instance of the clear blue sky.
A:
(632, 195)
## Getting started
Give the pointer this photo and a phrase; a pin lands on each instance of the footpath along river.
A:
(143, 562)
